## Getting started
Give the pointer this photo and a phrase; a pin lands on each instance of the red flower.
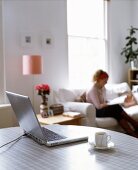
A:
(42, 89)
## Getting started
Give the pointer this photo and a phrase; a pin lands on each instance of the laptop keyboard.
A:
(51, 136)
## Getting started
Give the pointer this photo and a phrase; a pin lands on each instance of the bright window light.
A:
(86, 40)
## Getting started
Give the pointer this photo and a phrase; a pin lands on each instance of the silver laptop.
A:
(29, 123)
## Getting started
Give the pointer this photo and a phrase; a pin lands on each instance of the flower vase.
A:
(44, 107)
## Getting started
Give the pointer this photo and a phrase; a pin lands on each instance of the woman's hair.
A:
(100, 74)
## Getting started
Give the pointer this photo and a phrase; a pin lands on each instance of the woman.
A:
(97, 96)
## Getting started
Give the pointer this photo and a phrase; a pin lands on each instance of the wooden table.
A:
(27, 154)
(59, 119)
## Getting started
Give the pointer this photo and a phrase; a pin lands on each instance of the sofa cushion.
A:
(114, 90)
(136, 96)
(56, 97)
(63, 95)
(66, 95)
(69, 95)
(81, 98)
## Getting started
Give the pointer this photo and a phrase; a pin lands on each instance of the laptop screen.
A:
(25, 114)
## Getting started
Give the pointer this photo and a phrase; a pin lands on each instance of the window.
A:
(86, 40)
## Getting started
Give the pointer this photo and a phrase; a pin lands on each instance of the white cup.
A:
(102, 139)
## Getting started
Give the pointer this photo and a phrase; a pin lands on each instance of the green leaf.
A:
(128, 37)
(130, 51)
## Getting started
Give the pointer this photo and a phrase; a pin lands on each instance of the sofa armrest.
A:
(87, 109)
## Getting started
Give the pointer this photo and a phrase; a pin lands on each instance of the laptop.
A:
(28, 121)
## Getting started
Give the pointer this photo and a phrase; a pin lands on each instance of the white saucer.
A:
(110, 145)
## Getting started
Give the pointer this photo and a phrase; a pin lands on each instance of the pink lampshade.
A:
(32, 64)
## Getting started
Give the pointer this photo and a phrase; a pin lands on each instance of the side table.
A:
(59, 119)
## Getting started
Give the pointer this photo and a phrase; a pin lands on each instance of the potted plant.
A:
(130, 51)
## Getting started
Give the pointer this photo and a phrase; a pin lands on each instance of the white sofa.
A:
(67, 98)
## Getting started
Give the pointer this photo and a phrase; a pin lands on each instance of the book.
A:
(72, 114)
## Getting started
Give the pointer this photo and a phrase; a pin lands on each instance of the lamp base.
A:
(44, 110)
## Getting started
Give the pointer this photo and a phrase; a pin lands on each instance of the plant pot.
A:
(134, 64)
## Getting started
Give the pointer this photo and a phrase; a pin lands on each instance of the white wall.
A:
(1, 57)
(135, 13)
(39, 18)
(120, 19)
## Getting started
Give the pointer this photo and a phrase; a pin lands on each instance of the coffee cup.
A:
(102, 139)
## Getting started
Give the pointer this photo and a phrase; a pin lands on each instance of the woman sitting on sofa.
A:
(96, 96)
